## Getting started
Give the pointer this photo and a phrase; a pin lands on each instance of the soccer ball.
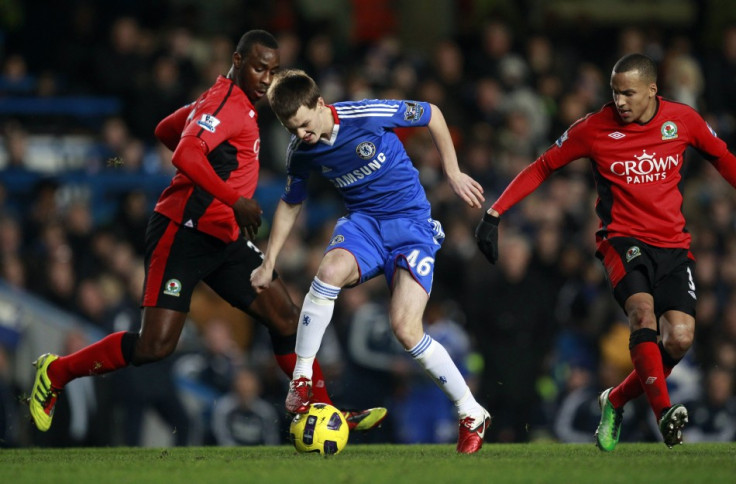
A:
(322, 429)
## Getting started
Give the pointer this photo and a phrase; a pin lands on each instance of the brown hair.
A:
(290, 90)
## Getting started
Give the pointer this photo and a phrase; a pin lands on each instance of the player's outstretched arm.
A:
(463, 185)
(168, 131)
(283, 221)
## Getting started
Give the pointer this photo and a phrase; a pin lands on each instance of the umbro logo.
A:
(616, 135)
(651, 380)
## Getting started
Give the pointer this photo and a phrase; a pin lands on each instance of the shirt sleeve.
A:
(714, 149)
(190, 158)
(169, 130)
(410, 114)
(297, 175)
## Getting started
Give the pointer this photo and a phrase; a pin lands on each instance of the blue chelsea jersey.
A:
(364, 159)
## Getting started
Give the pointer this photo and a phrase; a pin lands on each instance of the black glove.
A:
(486, 235)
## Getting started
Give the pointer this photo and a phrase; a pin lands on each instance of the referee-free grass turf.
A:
(375, 464)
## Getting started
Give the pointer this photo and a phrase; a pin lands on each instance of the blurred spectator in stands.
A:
(448, 68)
(713, 418)
(682, 76)
(76, 53)
(221, 355)
(210, 371)
(121, 55)
(633, 39)
(452, 262)
(217, 60)
(11, 235)
(572, 106)
(16, 176)
(15, 79)
(114, 136)
(187, 53)
(496, 46)
(487, 104)
(242, 416)
(590, 85)
(320, 62)
(13, 271)
(97, 298)
(720, 73)
(290, 48)
(573, 417)
(161, 94)
(8, 402)
(59, 285)
(478, 158)
(504, 324)
(370, 22)
(44, 215)
(78, 224)
(131, 219)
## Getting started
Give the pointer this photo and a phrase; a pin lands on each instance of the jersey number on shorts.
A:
(423, 267)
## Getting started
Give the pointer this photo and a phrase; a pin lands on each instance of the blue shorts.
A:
(380, 246)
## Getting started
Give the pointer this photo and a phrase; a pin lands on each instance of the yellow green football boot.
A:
(365, 419)
(43, 396)
(609, 428)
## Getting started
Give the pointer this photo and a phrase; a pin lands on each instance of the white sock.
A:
(316, 314)
(303, 367)
(438, 364)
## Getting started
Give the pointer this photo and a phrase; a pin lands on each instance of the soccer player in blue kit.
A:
(388, 228)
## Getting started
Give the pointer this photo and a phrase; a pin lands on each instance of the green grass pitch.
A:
(375, 464)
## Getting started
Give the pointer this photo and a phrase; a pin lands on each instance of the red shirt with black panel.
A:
(216, 143)
(636, 167)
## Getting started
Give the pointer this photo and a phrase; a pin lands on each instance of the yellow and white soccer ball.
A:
(323, 429)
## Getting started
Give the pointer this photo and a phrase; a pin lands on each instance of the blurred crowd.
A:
(538, 335)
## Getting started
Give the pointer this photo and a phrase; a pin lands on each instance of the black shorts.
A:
(667, 274)
(178, 257)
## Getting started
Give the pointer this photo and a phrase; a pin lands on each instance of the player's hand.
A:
(486, 236)
(248, 215)
(468, 189)
(261, 278)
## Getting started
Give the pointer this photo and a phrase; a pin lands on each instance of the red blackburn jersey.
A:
(224, 119)
(636, 169)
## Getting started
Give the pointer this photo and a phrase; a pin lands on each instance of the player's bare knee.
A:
(150, 352)
(677, 342)
(407, 335)
(330, 274)
(641, 315)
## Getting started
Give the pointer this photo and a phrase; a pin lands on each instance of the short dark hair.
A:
(290, 90)
(255, 37)
(637, 62)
